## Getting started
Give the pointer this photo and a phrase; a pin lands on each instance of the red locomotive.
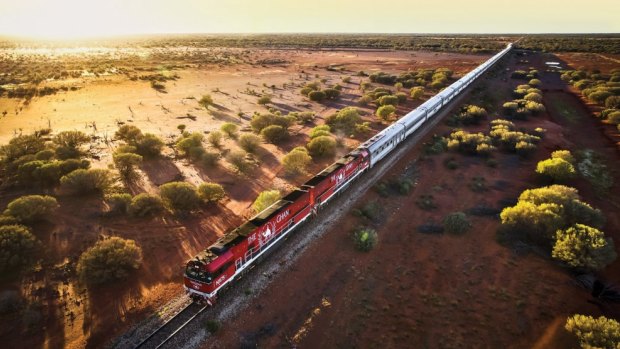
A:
(230, 255)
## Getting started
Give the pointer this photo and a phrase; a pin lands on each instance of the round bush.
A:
(18, 248)
(557, 169)
(119, 203)
(416, 92)
(31, 208)
(145, 205)
(582, 246)
(149, 145)
(211, 192)
(388, 100)
(385, 112)
(215, 138)
(229, 129)
(317, 96)
(296, 161)
(594, 333)
(456, 223)
(249, 142)
(365, 239)
(322, 146)
(274, 134)
(125, 164)
(237, 158)
(86, 181)
(110, 259)
(180, 196)
(265, 199)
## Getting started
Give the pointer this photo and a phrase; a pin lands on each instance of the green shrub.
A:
(534, 107)
(261, 121)
(119, 202)
(535, 82)
(145, 205)
(365, 239)
(557, 169)
(594, 333)
(385, 112)
(149, 145)
(331, 93)
(456, 223)
(614, 117)
(581, 246)
(68, 143)
(534, 97)
(180, 196)
(564, 155)
(188, 142)
(322, 130)
(265, 199)
(128, 133)
(345, 119)
(263, 100)
(211, 192)
(7, 220)
(317, 96)
(322, 146)
(471, 114)
(125, 164)
(249, 142)
(416, 92)
(45, 155)
(274, 134)
(229, 129)
(22, 145)
(388, 100)
(237, 158)
(30, 208)
(612, 102)
(209, 159)
(592, 167)
(599, 96)
(82, 181)
(402, 97)
(206, 101)
(18, 248)
(215, 138)
(296, 161)
(108, 260)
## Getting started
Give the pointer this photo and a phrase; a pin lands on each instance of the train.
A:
(225, 260)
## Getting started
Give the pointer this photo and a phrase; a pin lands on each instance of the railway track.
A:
(164, 333)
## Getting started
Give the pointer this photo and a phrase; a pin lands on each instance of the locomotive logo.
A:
(267, 233)
(340, 177)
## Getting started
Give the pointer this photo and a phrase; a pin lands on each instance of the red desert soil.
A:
(417, 290)
(74, 318)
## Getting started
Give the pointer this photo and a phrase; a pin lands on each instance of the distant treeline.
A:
(600, 43)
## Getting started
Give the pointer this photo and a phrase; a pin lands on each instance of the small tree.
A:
(296, 161)
(456, 223)
(322, 146)
(265, 199)
(557, 169)
(345, 119)
(18, 248)
(188, 142)
(87, 181)
(594, 333)
(582, 246)
(211, 192)
(365, 239)
(206, 101)
(230, 130)
(145, 205)
(180, 196)
(249, 142)
(126, 164)
(416, 92)
(111, 259)
(385, 112)
(31, 208)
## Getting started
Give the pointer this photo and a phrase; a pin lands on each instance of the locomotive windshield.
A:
(194, 271)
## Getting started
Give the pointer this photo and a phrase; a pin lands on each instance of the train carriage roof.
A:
(269, 212)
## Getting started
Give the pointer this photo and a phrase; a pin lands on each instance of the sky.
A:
(66, 19)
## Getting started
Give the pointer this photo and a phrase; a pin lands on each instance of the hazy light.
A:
(62, 19)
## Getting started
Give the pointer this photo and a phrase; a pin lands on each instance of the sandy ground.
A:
(75, 318)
